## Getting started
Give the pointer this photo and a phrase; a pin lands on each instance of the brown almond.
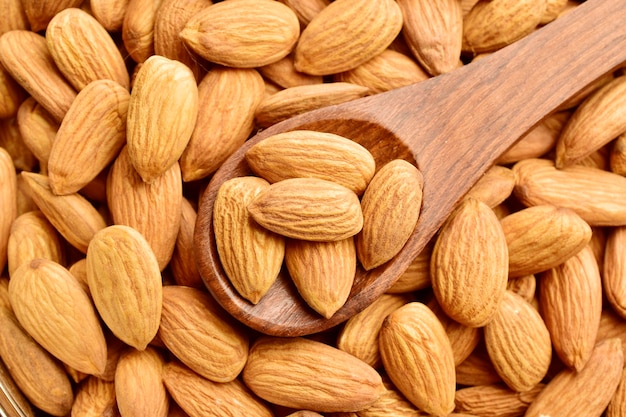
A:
(525, 287)
(15, 17)
(40, 12)
(495, 186)
(239, 239)
(183, 261)
(417, 275)
(554, 8)
(477, 369)
(433, 30)
(284, 74)
(469, 280)
(562, 292)
(391, 205)
(125, 284)
(38, 129)
(26, 57)
(162, 112)
(305, 153)
(587, 392)
(306, 10)
(303, 98)
(138, 28)
(617, 157)
(301, 373)
(613, 270)
(542, 237)
(12, 142)
(391, 403)
(139, 389)
(110, 13)
(494, 400)
(72, 37)
(53, 308)
(74, 217)
(414, 331)
(11, 95)
(285, 208)
(324, 48)
(90, 136)
(246, 34)
(233, 94)
(8, 198)
(95, 397)
(201, 335)
(617, 405)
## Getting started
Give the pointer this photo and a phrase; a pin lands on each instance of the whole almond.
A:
(525, 287)
(613, 270)
(201, 335)
(617, 157)
(72, 36)
(139, 389)
(233, 94)
(239, 239)
(53, 308)
(303, 98)
(15, 17)
(11, 141)
(413, 331)
(346, 34)
(95, 397)
(26, 57)
(162, 113)
(183, 261)
(301, 373)
(138, 28)
(38, 129)
(433, 30)
(562, 291)
(284, 74)
(359, 336)
(469, 280)
(11, 95)
(494, 400)
(304, 153)
(74, 217)
(125, 284)
(463, 339)
(323, 272)
(245, 34)
(306, 10)
(391, 403)
(8, 198)
(40, 12)
(198, 396)
(110, 13)
(477, 369)
(538, 181)
(153, 209)
(518, 343)
(39, 376)
(90, 136)
(33, 236)
(391, 205)
(494, 187)
(586, 392)
(542, 237)
(285, 208)
(417, 275)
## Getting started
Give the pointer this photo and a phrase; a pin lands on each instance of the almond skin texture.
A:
(200, 335)
(53, 308)
(613, 271)
(562, 292)
(183, 261)
(346, 34)
(245, 34)
(304, 153)
(494, 187)
(308, 209)
(90, 136)
(391, 205)
(37, 128)
(239, 239)
(138, 28)
(11, 95)
(198, 396)
(494, 400)
(584, 393)
(94, 397)
(417, 356)
(469, 265)
(323, 272)
(518, 343)
(39, 13)
(542, 237)
(125, 284)
(162, 113)
(74, 37)
(305, 374)
(8, 197)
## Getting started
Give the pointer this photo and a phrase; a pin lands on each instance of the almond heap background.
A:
(114, 114)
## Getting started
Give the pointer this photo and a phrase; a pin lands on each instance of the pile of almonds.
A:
(114, 114)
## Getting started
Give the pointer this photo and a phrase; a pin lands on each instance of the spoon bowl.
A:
(452, 127)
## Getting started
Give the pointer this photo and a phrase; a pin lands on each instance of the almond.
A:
(618, 401)
(391, 205)
(15, 17)
(284, 74)
(162, 112)
(201, 335)
(53, 308)
(11, 141)
(469, 279)
(562, 292)
(72, 37)
(494, 400)
(306, 10)
(391, 403)
(463, 339)
(240, 240)
(308, 209)
(95, 397)
(477, 369)
(90, 136)
(245, 34)
(301, 373)
(26, 57)
(38, 129)
(8, 198)
(11, 95)
(613, 270)
(39, 13)
(304, 153)
(125, 284)
(183, 261)
(411, 332)
(417, 275)
(345, 34)
(525, 287)
(494, 187)
(110, 13)
(233, 94)
(138, 28)
(617, 157)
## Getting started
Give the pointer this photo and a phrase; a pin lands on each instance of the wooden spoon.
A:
(453, 127)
